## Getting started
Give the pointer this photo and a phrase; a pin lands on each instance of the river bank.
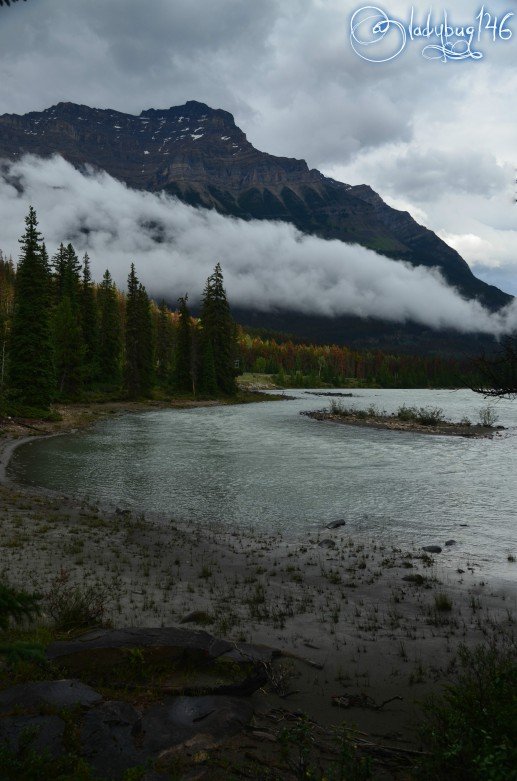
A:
(358, 620)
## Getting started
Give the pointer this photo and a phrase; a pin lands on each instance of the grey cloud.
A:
(266, 265)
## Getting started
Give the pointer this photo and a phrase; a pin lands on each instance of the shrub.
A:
(429, 416)
(406, 413)
(471, 731)
(74, 607)
(16, 607)
(442, 602)
(488, 416)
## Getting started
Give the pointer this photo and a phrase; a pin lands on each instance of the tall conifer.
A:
(89, 321)
(183, 352)
(110, 333)
(31, 369)
(219, 330)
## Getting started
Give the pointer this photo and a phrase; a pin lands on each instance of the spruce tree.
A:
(219, 330)
(208, 379)
(30, 367)
(183, 352)
(69, 347)
(131, 369)
(139, 339)
(110, 333)
(89, 322)
(146, 342)
(164, 342)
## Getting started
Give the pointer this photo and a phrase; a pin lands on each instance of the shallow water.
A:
(264, 465)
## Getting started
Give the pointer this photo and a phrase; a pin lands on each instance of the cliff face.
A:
(199, 155)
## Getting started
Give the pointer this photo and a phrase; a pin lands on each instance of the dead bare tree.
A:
(498, 375)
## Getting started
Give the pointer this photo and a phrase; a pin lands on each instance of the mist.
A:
(267, 265)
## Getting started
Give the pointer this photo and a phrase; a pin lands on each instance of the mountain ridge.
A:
(200, 155)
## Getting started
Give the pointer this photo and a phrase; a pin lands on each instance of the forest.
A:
(64, 337)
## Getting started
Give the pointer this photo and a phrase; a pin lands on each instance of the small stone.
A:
(450, 542)
(327, 544)
(336, 524)
(432, 548)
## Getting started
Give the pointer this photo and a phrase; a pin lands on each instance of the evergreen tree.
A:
(139, 338)
(110, 333)
(89, 321)
(31, 371)
(164, 341)
(69, 346)
(146, 342)
(183, 352)
(208, 380)
(219, 330)
(58, 268)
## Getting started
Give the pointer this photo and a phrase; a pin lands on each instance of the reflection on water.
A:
(267, 466)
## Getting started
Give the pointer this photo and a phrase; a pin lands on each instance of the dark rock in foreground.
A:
(114, 735)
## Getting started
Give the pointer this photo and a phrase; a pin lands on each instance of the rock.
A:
(432, 549)
(326, 544)
(450, 542)
(336, 524)
(181, 718)
(60, 694)
(172, 641)
(47, 733)
(198, 617)
(109, 737)
(257, 654)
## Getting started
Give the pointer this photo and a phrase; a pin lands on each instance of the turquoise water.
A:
(264, 465)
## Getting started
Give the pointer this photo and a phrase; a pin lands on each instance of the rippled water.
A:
(267, 466)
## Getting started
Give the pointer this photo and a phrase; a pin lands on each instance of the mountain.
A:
(200, 155)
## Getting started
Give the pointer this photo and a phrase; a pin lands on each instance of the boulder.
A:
(46, 733)
(432, 549)
(449, 543)
(60, 694)
(110, 738)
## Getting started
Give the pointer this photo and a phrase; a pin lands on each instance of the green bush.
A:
(16, 607)
(76, 607)
(471, 731)
(487, 416)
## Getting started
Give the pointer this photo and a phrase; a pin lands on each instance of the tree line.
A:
(308, 365)
(62, 335)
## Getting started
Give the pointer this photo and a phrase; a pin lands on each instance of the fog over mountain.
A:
(267, 265)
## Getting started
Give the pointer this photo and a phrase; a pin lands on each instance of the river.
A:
(266, 466)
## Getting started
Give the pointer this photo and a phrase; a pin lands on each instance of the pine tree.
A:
(31, 370)
(146, 342)
(89, 322)
(68, 349)
(208, 380)
(219, 330)
(110, 333)
(164, 341)
(132, 375)
(139, 339)
(58, 267)
(183, 352)
(69, 346)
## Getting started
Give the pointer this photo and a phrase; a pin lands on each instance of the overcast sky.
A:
(438, 139)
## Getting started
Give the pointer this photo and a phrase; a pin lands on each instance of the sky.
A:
(435, 138)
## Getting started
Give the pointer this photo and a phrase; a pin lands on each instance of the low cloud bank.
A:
(267, 266)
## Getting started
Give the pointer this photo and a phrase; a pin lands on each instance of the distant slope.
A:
(199, 155)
